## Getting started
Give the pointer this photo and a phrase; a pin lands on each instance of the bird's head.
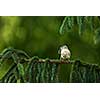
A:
(61, 48)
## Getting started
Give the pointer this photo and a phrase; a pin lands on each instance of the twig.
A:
(52, 61)
(57, 61)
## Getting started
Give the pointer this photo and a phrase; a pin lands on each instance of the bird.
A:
(64, 52)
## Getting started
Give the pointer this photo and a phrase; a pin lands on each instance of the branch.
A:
(57, 61)
(52, 61)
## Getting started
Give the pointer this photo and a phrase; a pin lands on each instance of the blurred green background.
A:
(36, 35)
(39, 36)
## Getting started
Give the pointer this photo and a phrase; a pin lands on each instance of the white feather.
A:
(65, 53)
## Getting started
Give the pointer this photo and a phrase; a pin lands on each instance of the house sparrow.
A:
(64, 53)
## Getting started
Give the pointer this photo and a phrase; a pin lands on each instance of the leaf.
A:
(6, 50)
(31, 68)
(15, 58)
(21, 71)
(12, 79)
(6, 55)
(38, 72)
(22, 54)
(80, 20)
(97, 36)
(62, 26)
(9, 73)
(67, 24)
(54, 75)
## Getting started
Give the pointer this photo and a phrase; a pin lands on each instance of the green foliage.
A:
(41, 72)
(38, 36)
(82, 24)
(97, 36)
(21, 71)
(80, 20)
(85, 73)
(83, 38)
(6, 78)
(37, 71)
(34, 72)
(67, 24)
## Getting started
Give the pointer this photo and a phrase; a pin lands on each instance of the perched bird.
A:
(64, 53)
(64, 56)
